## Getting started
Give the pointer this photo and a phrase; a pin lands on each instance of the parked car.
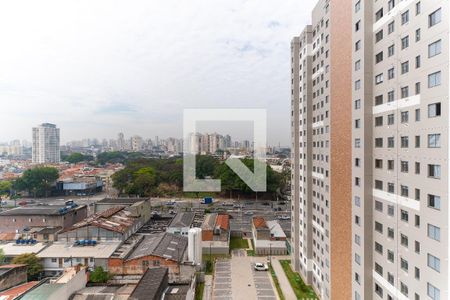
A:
(261, 267)
(248, 213)
(170, 203)
(284, 217)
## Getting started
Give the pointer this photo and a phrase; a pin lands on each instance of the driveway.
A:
(236, 279)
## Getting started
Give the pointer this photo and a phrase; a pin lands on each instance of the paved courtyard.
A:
(235, 279)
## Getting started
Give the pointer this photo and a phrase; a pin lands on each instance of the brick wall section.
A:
(119, 266)
(13, 277)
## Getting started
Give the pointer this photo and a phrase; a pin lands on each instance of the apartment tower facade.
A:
(400, 156)
(321, 150)
(45, 144)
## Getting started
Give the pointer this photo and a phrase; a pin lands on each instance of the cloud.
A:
(97, 68)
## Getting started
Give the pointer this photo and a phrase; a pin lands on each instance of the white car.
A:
(261, 267)
(248, 213)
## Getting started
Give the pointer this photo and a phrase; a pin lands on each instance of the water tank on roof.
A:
(195, 245)
(94, 243)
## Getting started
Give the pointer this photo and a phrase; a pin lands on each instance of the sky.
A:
(96, 68)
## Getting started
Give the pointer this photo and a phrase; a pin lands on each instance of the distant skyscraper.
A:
(46, 144)
(121, 142)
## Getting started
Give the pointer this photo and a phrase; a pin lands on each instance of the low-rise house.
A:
(141, 252)
(139, 206)
(81, 186)
(26, 217)
(61, 255)
(13, 249)
(181, 223)
(114, 224)
(12, 275)
(152, 285)
(44, 234)
(268, 237)
(216, 234)
(61, 288)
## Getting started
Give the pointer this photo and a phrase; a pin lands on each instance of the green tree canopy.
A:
(99, 275)
(37, 181)
(77, 157)
(33, 263)
(5, 187)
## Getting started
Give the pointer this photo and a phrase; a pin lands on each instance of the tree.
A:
(38, 180)
(99, 275)
(144, 181)
(77, 157)
(33, 263)
(5, 187)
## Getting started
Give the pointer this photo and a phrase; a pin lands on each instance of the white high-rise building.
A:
(46, 144)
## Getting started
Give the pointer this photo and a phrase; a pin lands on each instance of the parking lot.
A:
(236, 279)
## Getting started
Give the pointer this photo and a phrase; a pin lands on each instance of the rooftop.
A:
(60, 249)
(275, 229)
(43, 210)
(166, 245)
(209, 222)
(115, 219)
(259, 223)
(12, 249)
(42, 292)
(16, 291)
(150, 283)
(183, 219)
(223, 221)
(6, 268)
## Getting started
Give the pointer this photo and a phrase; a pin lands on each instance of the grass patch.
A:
(276, 283)
(199, 290)
(209, 267)
(250, 252)
(238, 243)
(301, 290)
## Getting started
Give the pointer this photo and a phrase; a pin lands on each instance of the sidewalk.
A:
(288, 292)
(207, 291)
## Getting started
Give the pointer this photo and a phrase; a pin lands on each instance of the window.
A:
(418, 35)
(379, 78)
(405, 42)
(405, 91)
(417, 220)
(405, 67)
(433, 292)
(404, 166)
(404, 215)
(434, 140)
(378, 206)
(357, 143)
(434, 171)
(379, 100)
(417, 114)
(390, 233)
(391, 27)
(418, 62)
(404, 191)
(379, 121)
(391, 188)
(379, 14)
(378, 163)
(405, 17)
(357, 65)
(379, 142)
(357, 85)
(358, 123)
(390, 164)
(378, 227)
(391, 73)
(434, 232)
(357, 45)
(417, 141)
(417, 197)
(357, 201)
(404, 142)
(391, 5)
(390, 255)
(404, 264)
(378, 290)
(434, 110)
(391, 142)
(357, 26)
(434, 18)
(379, 57)
(357, 104)
(53, 260)
(378, 268)
(379, 36)
(418, 8)
(391, 50)
(390, 120)
(434, 48)
(379, 184)
(404, 116)
(434, 79)
(404, 289)
(416, 273)
(417, 85)
(434, 262)
(434, 201)
(417, 167)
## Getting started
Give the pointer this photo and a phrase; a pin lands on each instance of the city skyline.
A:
(135, 67)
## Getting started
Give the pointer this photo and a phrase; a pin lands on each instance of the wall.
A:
(13, 277)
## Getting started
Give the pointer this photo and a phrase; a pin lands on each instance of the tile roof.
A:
(44, 210)
(183, 219)
(16, 291)
(223, 221)
(259, 222)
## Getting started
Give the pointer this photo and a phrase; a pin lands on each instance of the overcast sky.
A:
(96, 68)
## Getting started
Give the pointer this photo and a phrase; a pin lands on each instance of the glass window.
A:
(434, 262)
(434, 79)
(434, 48)
(434, 18)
